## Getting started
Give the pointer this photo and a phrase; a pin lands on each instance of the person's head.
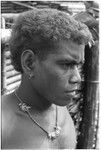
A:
(48, 44)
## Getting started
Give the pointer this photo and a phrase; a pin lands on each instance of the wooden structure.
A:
(84, 109)
(89, 124)
(10, 77)
(90, 119)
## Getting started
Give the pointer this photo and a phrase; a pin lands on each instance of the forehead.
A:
(68, 50)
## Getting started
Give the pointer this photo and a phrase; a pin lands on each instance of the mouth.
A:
(71, 92)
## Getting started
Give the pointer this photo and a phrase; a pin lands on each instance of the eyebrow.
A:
(70, 61)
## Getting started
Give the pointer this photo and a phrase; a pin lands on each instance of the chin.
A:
(63, 102)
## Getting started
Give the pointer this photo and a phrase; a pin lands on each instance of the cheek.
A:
(51, 78)
(56, 78)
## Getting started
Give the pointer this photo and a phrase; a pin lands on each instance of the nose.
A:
(75, 76)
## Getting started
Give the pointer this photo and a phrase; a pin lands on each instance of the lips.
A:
(71, 93)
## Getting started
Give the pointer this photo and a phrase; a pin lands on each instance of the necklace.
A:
(25, 108)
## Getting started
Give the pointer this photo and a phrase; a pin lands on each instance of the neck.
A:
(30, 96)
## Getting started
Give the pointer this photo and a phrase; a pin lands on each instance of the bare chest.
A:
(27, 135)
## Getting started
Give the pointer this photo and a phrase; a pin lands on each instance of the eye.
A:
(67, 65)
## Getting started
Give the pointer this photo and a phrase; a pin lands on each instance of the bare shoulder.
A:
(7, 105)
(68, 134)
(8, 117)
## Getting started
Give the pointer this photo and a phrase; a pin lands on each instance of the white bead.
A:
(24, 107)
(52, 136)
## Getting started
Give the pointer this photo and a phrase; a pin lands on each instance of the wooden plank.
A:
(12, 73)
(9, 68)
(10, 15)
(3, 72)
(13, 79)
(8, 62)
(12, 86)
(22, 4)
(7, 54)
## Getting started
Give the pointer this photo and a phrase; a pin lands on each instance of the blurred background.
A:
(84, 109)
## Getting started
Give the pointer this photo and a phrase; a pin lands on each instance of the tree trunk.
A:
(89, 125)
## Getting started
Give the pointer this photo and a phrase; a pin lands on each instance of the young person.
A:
(46, 47)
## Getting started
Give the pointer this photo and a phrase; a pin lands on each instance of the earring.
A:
(30, 76)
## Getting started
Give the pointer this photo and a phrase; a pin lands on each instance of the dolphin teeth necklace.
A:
(25, 108)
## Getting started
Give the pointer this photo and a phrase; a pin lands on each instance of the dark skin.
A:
(53, 82)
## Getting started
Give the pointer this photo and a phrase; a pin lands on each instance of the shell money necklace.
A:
(25, 108)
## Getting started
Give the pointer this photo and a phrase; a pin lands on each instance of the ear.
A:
(28, 60)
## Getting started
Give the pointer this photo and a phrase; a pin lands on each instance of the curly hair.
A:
(40, 29)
